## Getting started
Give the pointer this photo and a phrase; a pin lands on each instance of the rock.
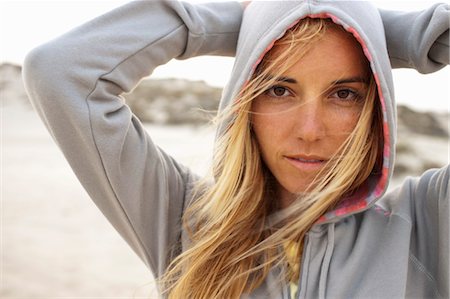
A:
(11, 86)
(425, 123)
(174, 101)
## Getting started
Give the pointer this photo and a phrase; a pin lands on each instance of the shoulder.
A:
(418, 195)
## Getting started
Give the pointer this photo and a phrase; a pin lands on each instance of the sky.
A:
(26, 24)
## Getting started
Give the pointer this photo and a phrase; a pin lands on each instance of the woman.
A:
(304, 152)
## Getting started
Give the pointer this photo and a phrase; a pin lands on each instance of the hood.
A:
(266, 21)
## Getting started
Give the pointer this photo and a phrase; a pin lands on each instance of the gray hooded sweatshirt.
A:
(373, 245)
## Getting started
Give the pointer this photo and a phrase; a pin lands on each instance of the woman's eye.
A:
(278, 91)
(346, 94)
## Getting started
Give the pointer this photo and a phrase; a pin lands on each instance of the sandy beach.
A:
(55, 243)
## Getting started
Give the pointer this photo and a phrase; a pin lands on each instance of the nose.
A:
(309, 121)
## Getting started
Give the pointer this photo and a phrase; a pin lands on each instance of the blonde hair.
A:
(234, 237)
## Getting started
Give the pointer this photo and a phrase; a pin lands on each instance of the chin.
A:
(297, 190)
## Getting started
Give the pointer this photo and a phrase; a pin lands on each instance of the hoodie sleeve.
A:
(418, 40)
(430, 244)
(75, 83)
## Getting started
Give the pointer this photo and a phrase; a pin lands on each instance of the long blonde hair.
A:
(234, 237)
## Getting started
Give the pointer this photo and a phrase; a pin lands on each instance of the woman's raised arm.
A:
(75, 83)
(418, 40)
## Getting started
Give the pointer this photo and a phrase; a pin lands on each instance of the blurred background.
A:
(54, 243)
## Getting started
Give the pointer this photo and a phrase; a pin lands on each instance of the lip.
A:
(306, 163)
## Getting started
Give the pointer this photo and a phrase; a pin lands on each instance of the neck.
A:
(285, 198)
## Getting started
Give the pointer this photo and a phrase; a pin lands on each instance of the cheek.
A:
(266, 133)
(340, 124)
(261, 129)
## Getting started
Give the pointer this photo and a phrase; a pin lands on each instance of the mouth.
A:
(306, 163)
(307, 160)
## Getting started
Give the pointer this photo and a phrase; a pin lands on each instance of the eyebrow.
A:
(350, 80)
(341, 81)
(281, 79)
(287, 80)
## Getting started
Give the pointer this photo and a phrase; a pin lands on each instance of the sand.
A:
(55, 243)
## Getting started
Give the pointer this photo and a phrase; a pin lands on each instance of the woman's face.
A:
(301, 121)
